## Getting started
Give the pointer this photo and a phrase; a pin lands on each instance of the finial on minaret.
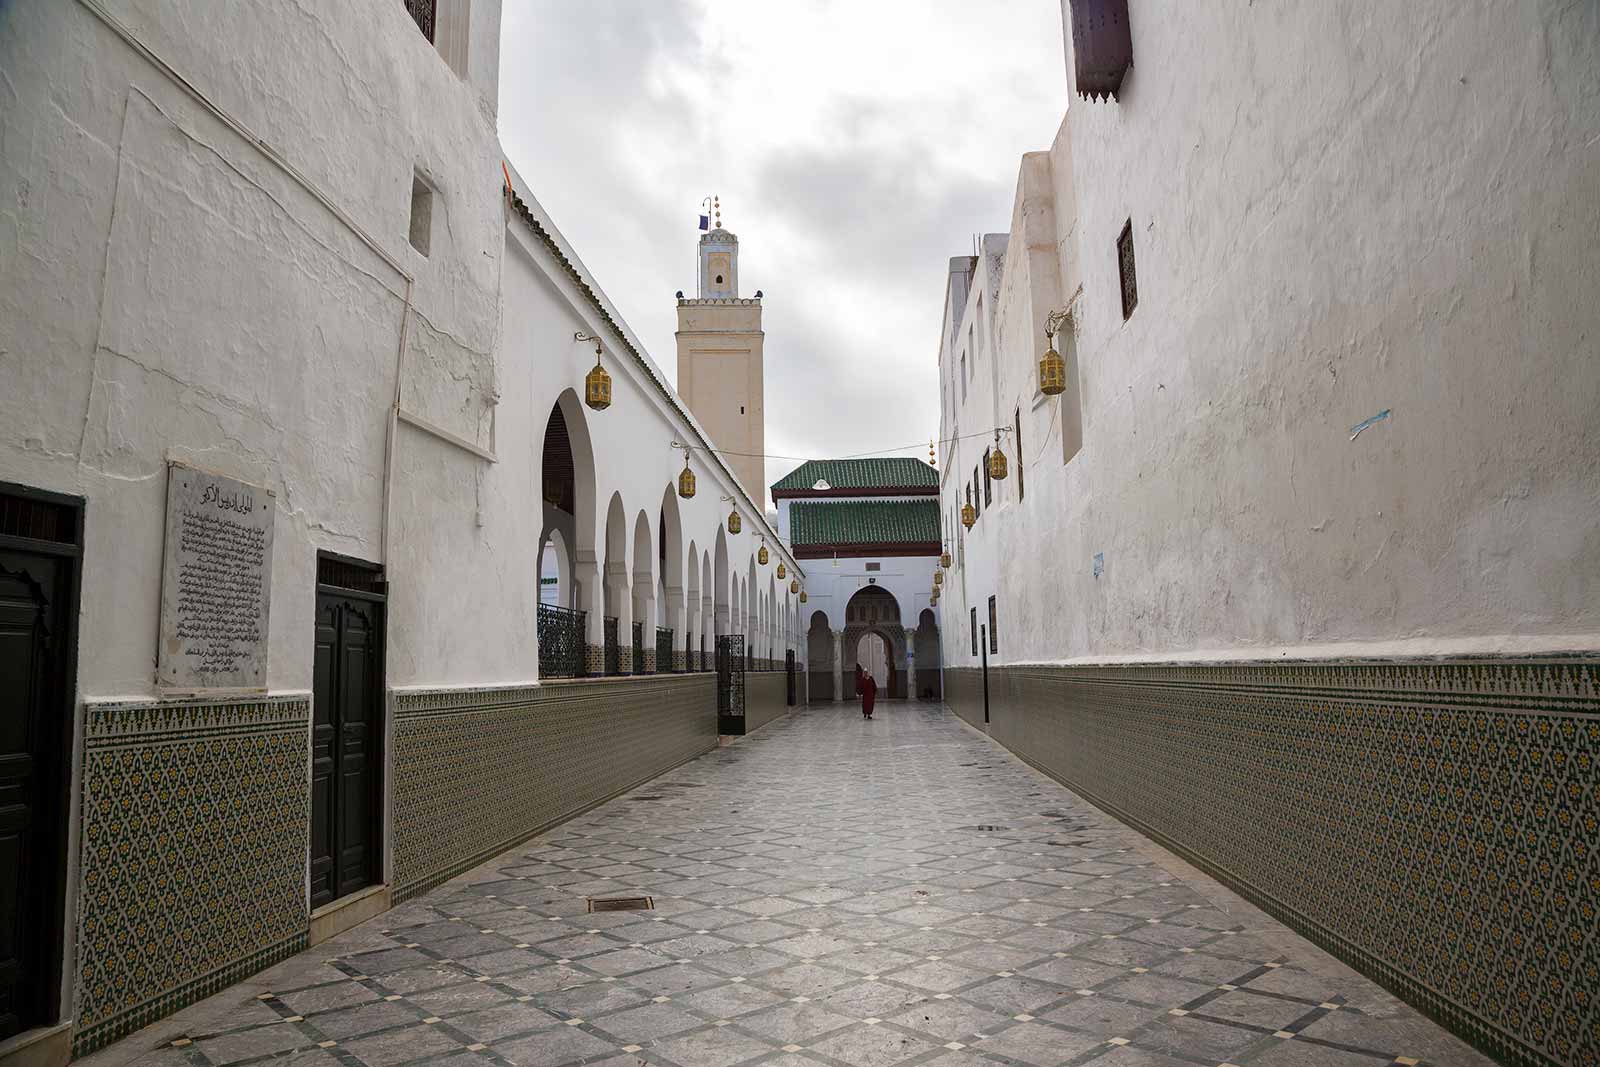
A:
(716, 207)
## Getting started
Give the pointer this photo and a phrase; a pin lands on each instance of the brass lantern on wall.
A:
(794, 586)
(781, 570)
(802, 596)
(944, 560)
(938, 577)
(1052, 368)
(735, 523)
(969, 514)
(761, 556)
(597, 383)
(686, 479)
(997, 460)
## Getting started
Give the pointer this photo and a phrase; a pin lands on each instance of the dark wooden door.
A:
(346, 741)
(34, 658)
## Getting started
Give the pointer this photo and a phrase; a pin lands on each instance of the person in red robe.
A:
(869, 694)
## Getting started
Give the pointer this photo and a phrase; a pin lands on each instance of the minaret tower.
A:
(720, 361)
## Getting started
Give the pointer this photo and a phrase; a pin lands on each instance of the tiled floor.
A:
(828, 891)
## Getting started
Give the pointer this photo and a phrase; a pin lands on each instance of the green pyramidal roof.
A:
(887, 472)
(857, 522)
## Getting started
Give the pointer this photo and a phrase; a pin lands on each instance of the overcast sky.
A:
(856, 147)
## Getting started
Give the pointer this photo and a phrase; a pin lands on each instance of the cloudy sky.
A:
(856, 147)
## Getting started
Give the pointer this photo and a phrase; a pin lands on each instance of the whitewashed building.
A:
(272, 258)
(1300, 558)
(869, 530)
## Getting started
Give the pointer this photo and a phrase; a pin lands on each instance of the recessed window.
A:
(421, 214)
(988, 490)
(994, 635)
(1130, 284)
(974, 632)
(874, 566)
(1021, 491)
(719, 279)
(741, 409)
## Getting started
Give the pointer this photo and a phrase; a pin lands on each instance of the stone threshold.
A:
(337, 916)
(43, 1046)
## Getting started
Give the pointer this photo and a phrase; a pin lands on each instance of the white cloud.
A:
(856, 147)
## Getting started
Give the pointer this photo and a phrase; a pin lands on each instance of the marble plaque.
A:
(216, 582)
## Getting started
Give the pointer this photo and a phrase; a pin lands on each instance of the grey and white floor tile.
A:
(832, 892)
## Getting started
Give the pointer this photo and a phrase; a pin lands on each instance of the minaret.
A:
(720, 361)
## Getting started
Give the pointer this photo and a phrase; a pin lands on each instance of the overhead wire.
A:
(856, 455)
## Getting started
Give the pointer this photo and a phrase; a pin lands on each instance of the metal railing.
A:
(422, 13)
(613, 651)
(664, 650)
(562, 648)
(638, 648)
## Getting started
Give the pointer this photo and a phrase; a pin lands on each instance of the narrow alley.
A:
(827, 891)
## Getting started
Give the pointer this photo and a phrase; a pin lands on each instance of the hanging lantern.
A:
(554, 489)
(794, 587)
(997, 460)
(781, 571)
(686, 479)
(597, 383)
(1052, 370)
(944, 560)
(933, 601)
(735, 523)
(969, 514)
(761, 556)
(938, 577)
(802, 596)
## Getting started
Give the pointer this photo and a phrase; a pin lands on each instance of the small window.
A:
(874, 566)
(1130, 284)
(741, 409)
(977, 504)
(974, 631)
(1021, 490)
(988, 487)
(994, 638)
(421, 214)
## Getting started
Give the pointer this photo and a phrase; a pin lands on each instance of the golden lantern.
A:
(1052, 368)
(938, 577)
(597, 383)
(761, 556)
(794, 586)
(969, 514)
(944, 560)
(686, 479)
(781, 571)
(802, 596)
(997, 460)
(735, 523)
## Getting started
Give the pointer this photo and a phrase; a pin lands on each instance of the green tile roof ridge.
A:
(881, 472)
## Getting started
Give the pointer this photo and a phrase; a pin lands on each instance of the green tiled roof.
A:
(898, 472)
(863, 522)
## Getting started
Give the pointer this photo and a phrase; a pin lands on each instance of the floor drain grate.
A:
(621, 904)
(985, 828)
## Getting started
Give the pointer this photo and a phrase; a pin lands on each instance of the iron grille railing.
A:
(562, 647)
(732, 657)
(422, 13)
(664, 650)
(613, 651)
(638, 648)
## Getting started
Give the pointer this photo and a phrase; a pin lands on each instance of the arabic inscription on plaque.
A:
(216, 582)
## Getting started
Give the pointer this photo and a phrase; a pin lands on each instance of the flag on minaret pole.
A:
(705, 214)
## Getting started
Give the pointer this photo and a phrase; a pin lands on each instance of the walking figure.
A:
(869, 694)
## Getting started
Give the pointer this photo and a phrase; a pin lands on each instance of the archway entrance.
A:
(873, 613)
(876, 656)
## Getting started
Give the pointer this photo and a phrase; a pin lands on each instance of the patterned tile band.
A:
(1435, 824)
(478, 770)
(193, 867)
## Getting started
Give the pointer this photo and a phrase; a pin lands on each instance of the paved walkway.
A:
(828, 891)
